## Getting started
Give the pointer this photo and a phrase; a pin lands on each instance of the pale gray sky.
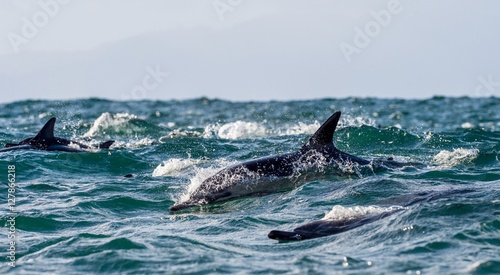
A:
(248, 49)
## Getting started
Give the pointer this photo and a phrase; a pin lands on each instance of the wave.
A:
(176, 166)
(357, 121)
(133, 143)
(448, 159)
(108, 125)
(300, 128)
(236, 130)
(240, 130)
(108, 121)
(341, 213)
(246, 130)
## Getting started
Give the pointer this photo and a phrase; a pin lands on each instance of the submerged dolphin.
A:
(45, 140)
(329, 226)
(261, 176)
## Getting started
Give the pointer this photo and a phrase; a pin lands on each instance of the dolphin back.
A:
(106, 144)
(17, 147)
(45, 140)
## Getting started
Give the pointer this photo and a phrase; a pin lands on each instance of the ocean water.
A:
(76, 213)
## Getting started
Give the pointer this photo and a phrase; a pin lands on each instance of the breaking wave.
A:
(341, 213)
(175, 166)
(236, 130)
(133, 143)
(447, 159)
(109, 123)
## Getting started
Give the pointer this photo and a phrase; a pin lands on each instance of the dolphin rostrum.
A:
(45, 140)
(276, 173)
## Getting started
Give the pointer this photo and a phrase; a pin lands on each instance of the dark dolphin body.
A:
(325, 227)
(263, 175)
(45, 140)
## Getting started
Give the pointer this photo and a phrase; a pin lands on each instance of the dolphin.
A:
(276, 173)
(330, 226)
(45, 140)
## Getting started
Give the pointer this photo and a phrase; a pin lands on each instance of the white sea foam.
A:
(236, 130)
(182, 133)
(201, 174)
(304, 128)
(107, 120)
(341, 213)
(300, 128)
(447, 159)
(244, 130)
(175, 166)
(241, 129)
(251, 129)
(357, 121)
(467, 125)
(133, 143)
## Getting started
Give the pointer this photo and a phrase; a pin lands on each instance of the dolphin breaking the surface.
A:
(331, 224)
(275, 173)
(45, 140)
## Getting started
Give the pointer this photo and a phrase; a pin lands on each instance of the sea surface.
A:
(77, 213)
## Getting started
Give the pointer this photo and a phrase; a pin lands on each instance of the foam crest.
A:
(244, 130)
(251, 129)
(357, 121)
(183, 133)
(133, 144)
(301, 128)
(341, 213)
(108, 121)
(175, 166)
(236, 130)
(447, 159)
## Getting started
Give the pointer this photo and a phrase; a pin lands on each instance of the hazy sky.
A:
(248, 49)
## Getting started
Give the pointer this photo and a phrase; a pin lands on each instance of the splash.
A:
(108, 121)
(358, 121)
(236, 130)
(175, 166)
(447, 159)
(300, 128)
(340, 213)
(467, 125)
(200, 175)
(180, 133)
(133, 144)
(245, 130)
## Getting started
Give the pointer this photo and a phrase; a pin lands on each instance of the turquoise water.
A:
(77, 213)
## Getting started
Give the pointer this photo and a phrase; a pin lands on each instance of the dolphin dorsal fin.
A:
(47, 131)
(324, 135)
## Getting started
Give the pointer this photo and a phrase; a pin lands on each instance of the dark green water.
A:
(77, 213)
